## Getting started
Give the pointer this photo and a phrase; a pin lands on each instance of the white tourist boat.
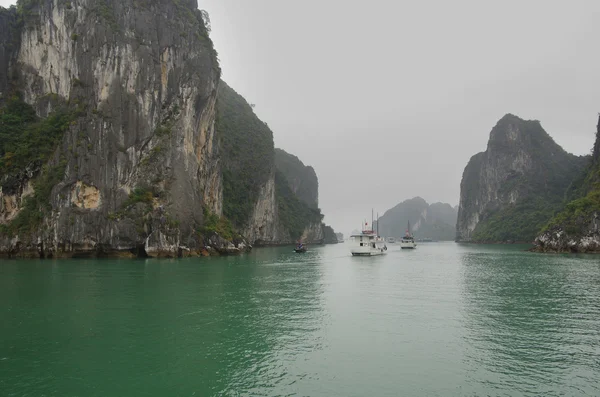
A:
(408, 241)
(367, 243)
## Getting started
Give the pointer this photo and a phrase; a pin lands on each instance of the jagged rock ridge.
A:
(436, 221)
(510, 191)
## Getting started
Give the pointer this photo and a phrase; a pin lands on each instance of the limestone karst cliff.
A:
(136, 163)
(108, 143)
(510, 191)
(258, 198)
(576, 228)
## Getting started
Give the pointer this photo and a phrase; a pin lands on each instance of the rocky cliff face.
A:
(436, 221)
(138, 160)
(257, 197)
(118, 138)
(512, 189)
(8, 45)
(246, 146)
(577, 227)
(264, 227)
(329, 235)
(301, 178)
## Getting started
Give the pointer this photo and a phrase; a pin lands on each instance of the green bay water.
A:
(443, 320)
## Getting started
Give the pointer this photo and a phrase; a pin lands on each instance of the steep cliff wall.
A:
(246, 146)
(301, 221)
(577, 227)
(9, 32)
(329, 235)
(513, 188)
(247, 159)
(137, 161)
(436, 221)
(258, 198)
(119, 138)
(301, 178)
(298, 197)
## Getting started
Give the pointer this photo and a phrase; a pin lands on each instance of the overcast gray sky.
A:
(389, 99)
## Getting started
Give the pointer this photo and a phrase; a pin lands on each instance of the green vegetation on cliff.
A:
(302, 179)
(37, 206)
(294, 214)
(329, 235)
(27, 142)
(249, 159)
(584, 197)
(215, 224)
(519, 222)
(26, 139)
(246, 145)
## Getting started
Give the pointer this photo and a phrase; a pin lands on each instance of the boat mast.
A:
(378, 224)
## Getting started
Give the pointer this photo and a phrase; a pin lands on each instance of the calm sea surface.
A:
(443, 320)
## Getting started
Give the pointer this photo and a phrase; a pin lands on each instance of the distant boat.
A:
(408, 241)
(391, 240)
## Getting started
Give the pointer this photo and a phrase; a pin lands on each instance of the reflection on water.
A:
(532, 322)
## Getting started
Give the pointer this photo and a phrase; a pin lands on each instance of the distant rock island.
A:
(122, 140)
(509, 192)
(435, 221)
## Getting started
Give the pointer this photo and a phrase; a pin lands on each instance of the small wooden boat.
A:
(300, 250)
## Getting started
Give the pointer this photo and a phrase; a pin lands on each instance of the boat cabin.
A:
(367, 238)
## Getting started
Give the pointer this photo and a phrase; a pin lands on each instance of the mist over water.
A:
(442, 320)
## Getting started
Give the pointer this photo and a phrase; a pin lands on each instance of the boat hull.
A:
(375, 253)
(408, 246)
(368, 251)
